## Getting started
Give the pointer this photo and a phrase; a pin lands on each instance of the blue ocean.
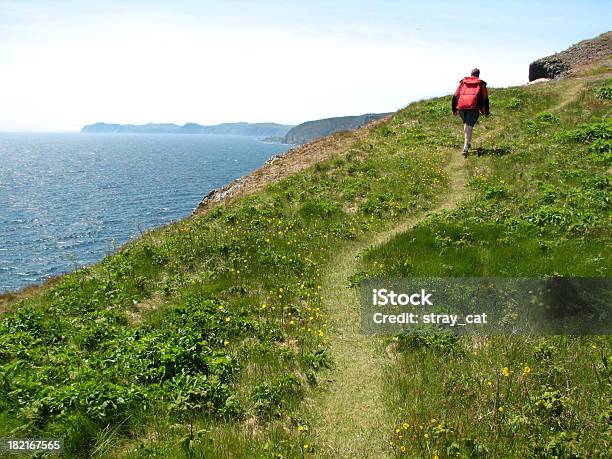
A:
(68, 200)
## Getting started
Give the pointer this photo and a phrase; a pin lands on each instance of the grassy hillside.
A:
(225, 335)
(541, 206)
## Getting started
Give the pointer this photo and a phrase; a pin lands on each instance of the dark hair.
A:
(476, 72)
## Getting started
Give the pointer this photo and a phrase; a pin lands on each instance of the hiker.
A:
(471, 98)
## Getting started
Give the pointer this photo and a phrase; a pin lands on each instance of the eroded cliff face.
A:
(559, 64)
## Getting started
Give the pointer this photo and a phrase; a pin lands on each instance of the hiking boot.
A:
(466, 151)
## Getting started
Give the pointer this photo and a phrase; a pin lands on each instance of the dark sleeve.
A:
(485, 99)
(456, 98)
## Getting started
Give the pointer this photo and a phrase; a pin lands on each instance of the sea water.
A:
(67, 200)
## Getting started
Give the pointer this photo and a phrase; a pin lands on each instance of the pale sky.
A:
(64, 64)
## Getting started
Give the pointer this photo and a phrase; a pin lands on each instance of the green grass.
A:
(206, 338)
(541, 206)
(215, 321)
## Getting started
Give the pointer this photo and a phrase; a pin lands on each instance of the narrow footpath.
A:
(350, 419)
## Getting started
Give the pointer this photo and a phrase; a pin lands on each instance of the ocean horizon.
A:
(69, 199)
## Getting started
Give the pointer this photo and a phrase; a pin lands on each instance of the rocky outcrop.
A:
(560, 64)
(547, 67)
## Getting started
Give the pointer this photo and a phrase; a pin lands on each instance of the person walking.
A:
(470, 100)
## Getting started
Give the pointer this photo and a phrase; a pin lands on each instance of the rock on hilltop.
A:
(584, 52)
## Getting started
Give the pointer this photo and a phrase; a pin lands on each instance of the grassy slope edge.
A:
(207, 338)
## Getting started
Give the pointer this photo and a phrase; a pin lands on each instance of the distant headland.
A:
(311, 130)
(250, 129)
(272, 132)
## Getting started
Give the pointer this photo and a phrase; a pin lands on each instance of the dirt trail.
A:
(351, 420)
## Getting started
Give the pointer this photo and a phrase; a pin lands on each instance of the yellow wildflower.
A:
(506, 372)
(526, 370)
(405, 425)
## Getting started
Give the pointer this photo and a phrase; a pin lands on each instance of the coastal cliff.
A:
(310, 130)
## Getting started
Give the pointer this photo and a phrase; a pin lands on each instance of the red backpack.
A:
(469, 93)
